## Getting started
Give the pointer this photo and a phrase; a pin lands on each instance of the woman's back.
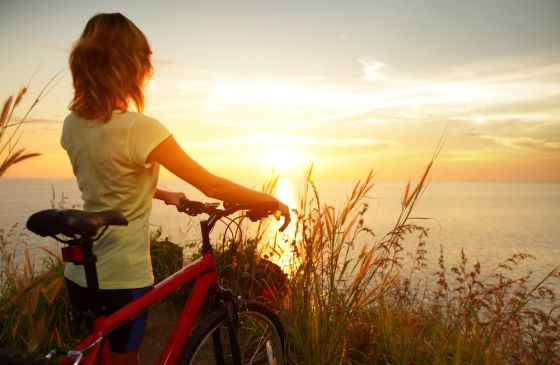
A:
(109, 161)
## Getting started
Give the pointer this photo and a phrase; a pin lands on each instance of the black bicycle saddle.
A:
(73, 222)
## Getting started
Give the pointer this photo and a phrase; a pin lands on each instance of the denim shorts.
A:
(127, 337)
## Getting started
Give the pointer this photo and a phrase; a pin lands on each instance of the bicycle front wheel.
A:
(260, 337)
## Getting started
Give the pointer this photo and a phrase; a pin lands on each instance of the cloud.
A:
(524, 143)
(161, 62)
(275, 140)
(371, 69)
(506, 103)
(526, 92)
(57, 48)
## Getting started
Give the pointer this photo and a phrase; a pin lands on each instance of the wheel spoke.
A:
(260, 338)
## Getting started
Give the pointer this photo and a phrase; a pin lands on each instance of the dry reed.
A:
(10, 130)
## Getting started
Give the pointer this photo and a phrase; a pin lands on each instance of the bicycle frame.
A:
(202, 270)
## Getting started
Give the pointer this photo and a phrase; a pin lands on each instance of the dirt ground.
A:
(161, 320)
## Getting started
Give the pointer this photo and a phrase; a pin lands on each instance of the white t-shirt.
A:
(109, 162)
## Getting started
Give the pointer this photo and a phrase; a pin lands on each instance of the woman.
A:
(115, 155)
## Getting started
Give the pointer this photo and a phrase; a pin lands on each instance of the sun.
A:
(284, 158)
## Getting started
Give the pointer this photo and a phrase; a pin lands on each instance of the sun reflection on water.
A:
(279, 242)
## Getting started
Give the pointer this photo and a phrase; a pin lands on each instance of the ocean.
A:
(489, 221)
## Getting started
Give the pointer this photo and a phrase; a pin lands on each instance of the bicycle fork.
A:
(229, 303)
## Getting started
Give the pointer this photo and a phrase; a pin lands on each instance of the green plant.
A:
(167, 257)
(467, 318)
(339, 268)
(250, 274)
(35, 312)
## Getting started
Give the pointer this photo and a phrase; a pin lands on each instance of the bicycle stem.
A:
(205, 229)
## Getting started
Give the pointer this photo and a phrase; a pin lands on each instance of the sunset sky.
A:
(350, 86)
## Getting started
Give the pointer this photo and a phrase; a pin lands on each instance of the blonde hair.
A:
(110, 63)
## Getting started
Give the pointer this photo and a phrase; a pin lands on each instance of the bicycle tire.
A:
(14, 357)
(260, 335)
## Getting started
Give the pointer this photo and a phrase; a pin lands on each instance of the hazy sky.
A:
(349, 85)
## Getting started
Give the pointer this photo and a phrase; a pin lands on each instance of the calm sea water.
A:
(489, 221)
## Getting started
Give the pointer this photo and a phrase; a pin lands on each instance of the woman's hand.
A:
(284, 211)
(170, 197)
(283, 208)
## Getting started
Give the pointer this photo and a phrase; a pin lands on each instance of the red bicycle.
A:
(237, 331)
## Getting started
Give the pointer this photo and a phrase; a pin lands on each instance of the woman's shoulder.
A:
(143, 121)
(71, 121)
(120, 120)
(70, 117)
(133, 117)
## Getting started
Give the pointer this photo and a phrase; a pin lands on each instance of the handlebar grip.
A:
(266, 209)
(192, 207)
(262, 210)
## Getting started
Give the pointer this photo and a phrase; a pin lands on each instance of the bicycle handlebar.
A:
(254, 212)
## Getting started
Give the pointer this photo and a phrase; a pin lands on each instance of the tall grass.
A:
(341, 267)
(10, 133)
(467, 318)
(11, 128)
(349, 297)
(33, 314)
(34, 309)
(353, 300)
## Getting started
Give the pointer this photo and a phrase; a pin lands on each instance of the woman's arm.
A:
(170, 155)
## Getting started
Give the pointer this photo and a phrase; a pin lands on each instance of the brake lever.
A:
(287, 220)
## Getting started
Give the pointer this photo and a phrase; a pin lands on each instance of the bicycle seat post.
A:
(91, 275)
